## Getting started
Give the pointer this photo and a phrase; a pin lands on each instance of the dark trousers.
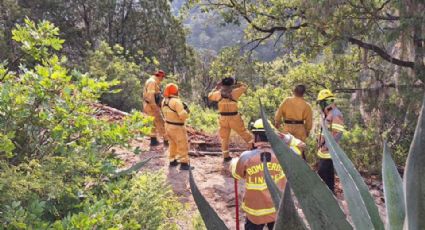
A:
(251, 226)
(326, 172)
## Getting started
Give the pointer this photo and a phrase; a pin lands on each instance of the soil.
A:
(211, 174)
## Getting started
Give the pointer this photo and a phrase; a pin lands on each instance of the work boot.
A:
(227, 159)
(185, 166)
(165, 143)
(154, 141)
(174, 163)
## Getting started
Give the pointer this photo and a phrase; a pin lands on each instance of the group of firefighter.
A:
(293, 122)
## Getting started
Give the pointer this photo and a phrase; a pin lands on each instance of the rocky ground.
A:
(211, 174)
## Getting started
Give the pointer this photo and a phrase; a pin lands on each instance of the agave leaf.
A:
(318, 203)
(271, 185)
(211, 219)
(363, 209)
(393, 190)
(287, 216)
(133, 168)
(414, 180)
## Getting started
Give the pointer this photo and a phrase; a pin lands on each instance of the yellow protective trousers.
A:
(158, 122)
(235, 122)
(178, 143)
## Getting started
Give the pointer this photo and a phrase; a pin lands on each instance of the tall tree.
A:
(310, 25)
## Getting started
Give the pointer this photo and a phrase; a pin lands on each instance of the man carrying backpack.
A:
(226, 93)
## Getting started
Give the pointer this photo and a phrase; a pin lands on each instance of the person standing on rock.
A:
(296, 114)
(151, 106)
(226, 93)
(175, 114)
(335, 123)
(257, 202)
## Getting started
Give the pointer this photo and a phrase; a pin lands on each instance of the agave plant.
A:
(405, 199)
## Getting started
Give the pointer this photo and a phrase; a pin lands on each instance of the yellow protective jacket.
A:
(227, 105)
(173, 110)
(295, 109)
(152, 88)
(335, 123)
(257, 202)
(175, 116)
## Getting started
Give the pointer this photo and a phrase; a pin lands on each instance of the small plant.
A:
(405, 205)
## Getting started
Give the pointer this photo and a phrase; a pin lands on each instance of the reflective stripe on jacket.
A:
(257, 202)
(335, 123)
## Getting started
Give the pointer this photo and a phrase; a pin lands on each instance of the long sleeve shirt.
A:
(295, 109)
(228, 104)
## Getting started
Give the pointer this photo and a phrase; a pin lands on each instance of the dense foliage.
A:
(56, 164)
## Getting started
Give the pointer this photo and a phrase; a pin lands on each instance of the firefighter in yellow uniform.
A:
(226, 94)
(175, 114)
(296, 113)
(257, 202)
(151, 106)
(335, 122)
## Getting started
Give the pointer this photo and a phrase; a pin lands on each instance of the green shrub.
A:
(360, 145)
(111, 63)
(203, 119)
(271, 97)
(56, 166)
(144, 202)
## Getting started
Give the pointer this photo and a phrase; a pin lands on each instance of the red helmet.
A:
(160, 73)
(171, 89)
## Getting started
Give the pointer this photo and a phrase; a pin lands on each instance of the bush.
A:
(144, 202)
(111, 63)
(55, 160)
(362, 146)
(270, 97)
(203, 119)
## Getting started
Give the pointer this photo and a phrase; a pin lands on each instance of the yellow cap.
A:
(325, 94)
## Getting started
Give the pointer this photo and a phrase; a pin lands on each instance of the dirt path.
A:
(211, 174)
(215, 182)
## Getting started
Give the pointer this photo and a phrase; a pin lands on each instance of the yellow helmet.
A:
(259, 126)
(325, 94)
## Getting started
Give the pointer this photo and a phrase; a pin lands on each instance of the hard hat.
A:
(325, 94)
(171, 89)
(160, 73)
(258, 126)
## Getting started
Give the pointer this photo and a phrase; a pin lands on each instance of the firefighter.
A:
(257, 202)
(226, 93)
(334, 120)
(152, 100)
(175, 114)
(296, 113)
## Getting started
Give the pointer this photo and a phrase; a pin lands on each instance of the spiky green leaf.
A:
(393, 190)
(211, 219)
(287, 216)
(271, 185)
(363, 209)
(414, 182)
(318, 203)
